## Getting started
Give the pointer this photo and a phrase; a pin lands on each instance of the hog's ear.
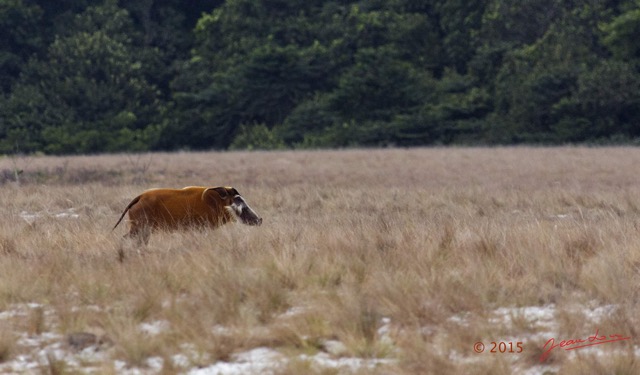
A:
(222, 192)
(216, 194)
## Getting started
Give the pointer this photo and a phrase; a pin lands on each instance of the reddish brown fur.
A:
(172, 209)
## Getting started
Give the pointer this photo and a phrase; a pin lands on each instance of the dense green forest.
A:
(90, 76)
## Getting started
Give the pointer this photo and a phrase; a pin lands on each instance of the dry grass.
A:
(376, 249)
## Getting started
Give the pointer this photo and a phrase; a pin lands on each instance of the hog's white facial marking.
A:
(243, 212)
(238, 205)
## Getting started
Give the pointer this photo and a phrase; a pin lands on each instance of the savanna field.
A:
(394, 261)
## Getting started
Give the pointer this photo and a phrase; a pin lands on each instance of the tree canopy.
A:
(91, 76)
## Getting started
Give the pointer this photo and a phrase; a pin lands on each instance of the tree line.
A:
(91, 76)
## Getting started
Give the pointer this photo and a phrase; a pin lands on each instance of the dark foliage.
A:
(90, 76)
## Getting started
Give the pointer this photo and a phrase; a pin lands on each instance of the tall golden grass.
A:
(397, 254)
